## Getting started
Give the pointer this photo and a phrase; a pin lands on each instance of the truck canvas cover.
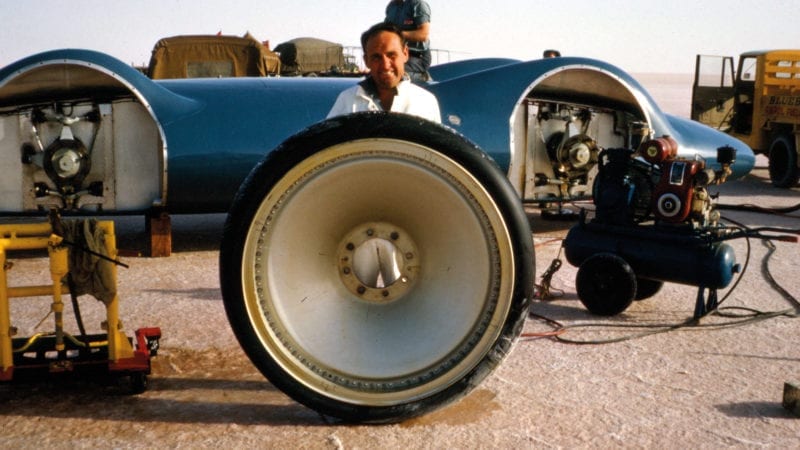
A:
(205, 56)
(310, 55)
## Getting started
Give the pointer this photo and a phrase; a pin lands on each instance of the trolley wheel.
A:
(376, 266)
(138, 382)
(783, 171)
(133, 383)
(606, 284)
(646, 288)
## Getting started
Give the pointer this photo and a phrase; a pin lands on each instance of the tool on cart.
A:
(82, 256)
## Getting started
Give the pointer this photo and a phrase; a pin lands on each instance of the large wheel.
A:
(376, 266)
(783, 170)
(606, 284)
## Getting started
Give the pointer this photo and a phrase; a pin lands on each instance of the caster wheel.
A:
(606, 284)
(132, 384)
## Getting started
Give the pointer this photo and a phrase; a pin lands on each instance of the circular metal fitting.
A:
(378, 262)
(67, 162)
(669, 205)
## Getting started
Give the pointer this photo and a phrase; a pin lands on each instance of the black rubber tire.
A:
(133, 383)
(274, 339)
(783, 171)
(138, 383)
(606, 284)
(646, 288)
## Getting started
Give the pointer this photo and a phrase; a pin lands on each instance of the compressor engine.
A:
(653, 185)
(654, 222)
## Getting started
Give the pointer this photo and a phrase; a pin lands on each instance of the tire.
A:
(606, 284)
(134, 383)
(783, 170)
(646, 288)
(138, 382)
(375, 267)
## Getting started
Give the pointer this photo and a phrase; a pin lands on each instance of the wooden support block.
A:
(791, 397)
(159, 228)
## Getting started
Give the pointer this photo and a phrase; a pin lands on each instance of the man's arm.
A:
(418, 35)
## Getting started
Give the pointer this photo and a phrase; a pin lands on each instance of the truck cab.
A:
(758, 103)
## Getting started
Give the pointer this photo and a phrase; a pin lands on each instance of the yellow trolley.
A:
(111, 353)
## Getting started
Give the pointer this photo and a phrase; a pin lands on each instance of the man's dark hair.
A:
(379, 28)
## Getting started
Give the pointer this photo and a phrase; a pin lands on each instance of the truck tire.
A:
(783, 171)
(375, 267)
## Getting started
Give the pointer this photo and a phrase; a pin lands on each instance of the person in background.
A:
(550, 53)
(386, 87)
(413, 18)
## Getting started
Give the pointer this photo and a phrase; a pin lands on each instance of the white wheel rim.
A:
(367, 352)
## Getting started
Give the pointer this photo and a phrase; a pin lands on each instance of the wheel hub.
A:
(378, 262)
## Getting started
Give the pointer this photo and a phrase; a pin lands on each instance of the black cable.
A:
(76, 310)
(652, 329)
(93, 253)
(745, 265)
(748, 207)
(775, 285)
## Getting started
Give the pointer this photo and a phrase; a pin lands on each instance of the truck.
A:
(308, 56)
(212, 56)
(758, 103)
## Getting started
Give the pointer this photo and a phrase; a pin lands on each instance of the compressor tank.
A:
(678, 257)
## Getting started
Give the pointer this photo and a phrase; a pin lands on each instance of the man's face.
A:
(385, 56)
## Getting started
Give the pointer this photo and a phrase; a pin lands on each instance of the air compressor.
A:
(654, 222)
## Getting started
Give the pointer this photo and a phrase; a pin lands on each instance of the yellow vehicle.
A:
(759, 103)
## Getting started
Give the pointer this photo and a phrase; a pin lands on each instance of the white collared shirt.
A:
(410, 99)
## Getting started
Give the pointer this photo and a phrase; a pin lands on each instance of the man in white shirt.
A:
(387, 88)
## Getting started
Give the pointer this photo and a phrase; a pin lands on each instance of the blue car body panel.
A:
(215, 130)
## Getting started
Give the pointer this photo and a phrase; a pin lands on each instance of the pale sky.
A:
(640, 37)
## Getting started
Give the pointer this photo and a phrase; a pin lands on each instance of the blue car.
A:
(373, 266)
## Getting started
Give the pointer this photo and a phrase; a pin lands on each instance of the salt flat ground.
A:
(690, 388)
